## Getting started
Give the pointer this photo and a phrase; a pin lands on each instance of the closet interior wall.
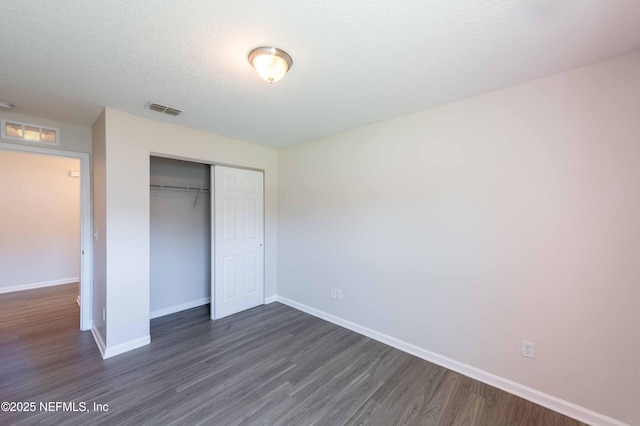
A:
(180, 240)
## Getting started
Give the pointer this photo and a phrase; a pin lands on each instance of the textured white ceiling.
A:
(355, 62)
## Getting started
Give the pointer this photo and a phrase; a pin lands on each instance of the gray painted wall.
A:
(469, 227)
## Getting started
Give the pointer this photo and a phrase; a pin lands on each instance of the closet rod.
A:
(179, 188)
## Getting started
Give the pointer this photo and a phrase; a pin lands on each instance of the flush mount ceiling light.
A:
(271, 63)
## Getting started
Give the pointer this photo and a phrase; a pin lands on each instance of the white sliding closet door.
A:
(238, 252)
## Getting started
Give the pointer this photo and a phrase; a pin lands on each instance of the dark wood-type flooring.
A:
(270, 365)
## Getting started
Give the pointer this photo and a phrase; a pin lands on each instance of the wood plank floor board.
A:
(470, 412)
(238, 400)
(333, 371)
(414, 406)
(350, 401)
(338, 382)
(271, 365)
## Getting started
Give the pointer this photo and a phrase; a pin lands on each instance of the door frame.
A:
(86, 224)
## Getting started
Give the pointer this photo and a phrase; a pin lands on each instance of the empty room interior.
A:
(295, 213)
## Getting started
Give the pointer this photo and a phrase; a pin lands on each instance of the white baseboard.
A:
(98, 339)
(126, 347)
(178, 308)
(270, 299)
(108, 352)
(38, 285)
(561, 406)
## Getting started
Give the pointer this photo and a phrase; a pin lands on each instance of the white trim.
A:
(106, 352)
(561, 406)
(270, 299)
(212, 227)
(178, 308)
(98, 339)
(31, 286)
(86, 223)
(86, 244)
(126, 347)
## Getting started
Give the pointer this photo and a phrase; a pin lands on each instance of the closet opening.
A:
(180, 236)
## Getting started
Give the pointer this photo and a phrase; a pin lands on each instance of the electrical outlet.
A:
(334, 293)
(339, 294)
(527, 349)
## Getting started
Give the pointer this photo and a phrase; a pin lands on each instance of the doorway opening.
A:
(46, 224)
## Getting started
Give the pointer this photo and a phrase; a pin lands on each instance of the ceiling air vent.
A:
(172, 111)
(164, 109)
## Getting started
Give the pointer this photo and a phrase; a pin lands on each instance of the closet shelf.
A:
(179, 188)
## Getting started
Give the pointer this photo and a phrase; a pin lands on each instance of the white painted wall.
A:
(40, 217)
(130, 141)
(180, 250)
(72, 136)
(466, 228)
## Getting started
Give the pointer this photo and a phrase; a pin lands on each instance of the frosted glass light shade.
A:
(271, 63)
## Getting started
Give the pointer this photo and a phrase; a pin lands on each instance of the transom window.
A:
(30, 133)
